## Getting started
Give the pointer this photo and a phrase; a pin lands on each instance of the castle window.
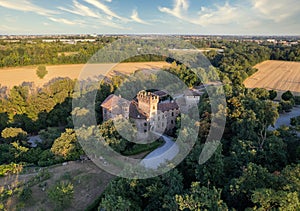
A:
(145, 131)
(172, 122)
(145, 124)
(153, 107)
(172, 113)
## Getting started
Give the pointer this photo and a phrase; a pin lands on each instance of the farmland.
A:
(276, 75)
(15, 76)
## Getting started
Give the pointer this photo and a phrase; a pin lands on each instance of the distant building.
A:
(150, 111)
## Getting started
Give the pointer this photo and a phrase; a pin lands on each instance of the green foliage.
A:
(67, 146)
(149, 194)
(42, 176)
(261, 93)
(287, 96)
(269, 199)
(272, 94)
(286, 106)
(240, 189)
(13, 134)
(201, 198)
(295, 121)
(140, 148)
(41, 71)
(25, 194)
(12, 168)
(61, 194)
(297, 100)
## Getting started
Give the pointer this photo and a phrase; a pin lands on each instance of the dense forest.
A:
(252, 169)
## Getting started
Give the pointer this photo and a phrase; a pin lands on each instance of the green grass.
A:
(140, 148)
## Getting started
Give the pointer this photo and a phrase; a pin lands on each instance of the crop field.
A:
(276, 75)
(16, 76)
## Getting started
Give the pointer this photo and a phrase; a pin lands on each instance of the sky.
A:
(205, 17)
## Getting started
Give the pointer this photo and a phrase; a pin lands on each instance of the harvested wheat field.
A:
(16, 76)
(276, 75)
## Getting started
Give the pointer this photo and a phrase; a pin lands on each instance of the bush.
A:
(25, 194)
(41, 71)
(13, 134)
(61, 194)
(12, 168)
(285, 106)
(297, 100)
(295, 121)
(287, 96)
(272, 94)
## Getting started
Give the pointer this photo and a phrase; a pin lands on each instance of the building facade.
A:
(149, 111)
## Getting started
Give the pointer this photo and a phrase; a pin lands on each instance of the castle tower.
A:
(148, 102)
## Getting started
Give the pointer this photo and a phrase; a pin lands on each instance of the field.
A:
(276, 75)
(89, 182)
(16, 76)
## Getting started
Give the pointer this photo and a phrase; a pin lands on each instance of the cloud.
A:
(25, 6)
(179, 7)
(105, 9)
(135, 17)
(218, 15)
(64, 21)
(277, 10)
(80, 9)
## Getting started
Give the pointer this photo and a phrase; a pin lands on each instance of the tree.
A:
(41, 71)
(240, 189)
(286, 106)
(113, 202)
(201, 198)
(269, 199)
(61, 194)
(272, 94)
(67, 146)
(287, 96)
(11, 134)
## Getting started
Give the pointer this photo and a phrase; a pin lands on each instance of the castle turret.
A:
(148, 102)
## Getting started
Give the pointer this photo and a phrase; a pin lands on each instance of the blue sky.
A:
(232, 17)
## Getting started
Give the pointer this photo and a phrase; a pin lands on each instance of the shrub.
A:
(25, 194)
(287, 96)
(61, 194)
(13, 134)
(285, 106)
(41, 71)
(297, 100)
(272, 94)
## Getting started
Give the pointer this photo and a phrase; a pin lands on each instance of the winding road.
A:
(285, 119)
(162, 154)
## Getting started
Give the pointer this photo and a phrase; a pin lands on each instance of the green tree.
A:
(113, 202)
(272, 94)
(67, 146)
(240, 189)
(287, 96)
(61, 194)
(269, 199)
(41, 71)
(201, 198)
(11, 134)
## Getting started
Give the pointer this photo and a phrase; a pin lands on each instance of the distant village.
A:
(73, 39)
